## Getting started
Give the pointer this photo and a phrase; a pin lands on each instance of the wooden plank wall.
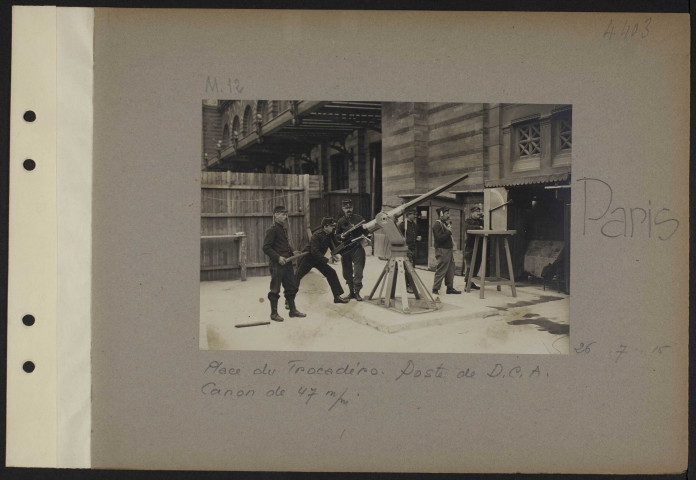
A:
(233, 202)
(316, 186)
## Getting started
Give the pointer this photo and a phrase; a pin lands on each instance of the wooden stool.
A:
(496, 236)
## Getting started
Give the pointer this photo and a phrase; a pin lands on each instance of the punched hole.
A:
(29, 164)
(28, 366)
(28, 320)
(29, 116)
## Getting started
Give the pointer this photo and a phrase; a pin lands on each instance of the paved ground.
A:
(537, 321)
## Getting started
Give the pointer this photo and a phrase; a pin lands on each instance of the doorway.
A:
(423, 223)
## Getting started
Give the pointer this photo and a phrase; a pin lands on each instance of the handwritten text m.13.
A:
(610, 217)
(223, 85)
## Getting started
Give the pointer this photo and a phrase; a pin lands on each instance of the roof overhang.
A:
(300, 128)
(554, 178)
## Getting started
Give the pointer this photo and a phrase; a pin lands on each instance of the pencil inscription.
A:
(644, 220)
(627, 29)
(305, 382)
(223, 85)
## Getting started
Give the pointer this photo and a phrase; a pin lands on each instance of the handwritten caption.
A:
(299, 380)
(627, 30)
(223, 85)
(293, 381)
(603, 213)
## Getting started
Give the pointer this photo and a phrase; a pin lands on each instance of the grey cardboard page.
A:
(613, 402)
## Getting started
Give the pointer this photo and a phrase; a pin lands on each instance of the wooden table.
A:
(496, 236)
(239, 237)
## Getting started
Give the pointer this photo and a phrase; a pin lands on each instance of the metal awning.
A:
(411, 196)
(300, 128)
(465, 190)
(555, 178)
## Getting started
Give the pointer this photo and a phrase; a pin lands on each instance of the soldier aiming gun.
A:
(353, 254)
(321, 241)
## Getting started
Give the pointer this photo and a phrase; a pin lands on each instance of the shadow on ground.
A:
(544, 324)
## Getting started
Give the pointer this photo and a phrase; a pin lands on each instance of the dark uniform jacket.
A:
(320, 243)
(276, 243)
(344, 225)
(442, 236)
(472, 224)
(410, 233)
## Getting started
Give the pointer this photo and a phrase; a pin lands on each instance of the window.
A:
(339, 172)
(528, 140)
(564, 127)
(226, 136)
(539, 139)
(246, 121)
(562, 138)
(262, 109)
(235, 127)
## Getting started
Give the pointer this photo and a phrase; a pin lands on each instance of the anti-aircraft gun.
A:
(392, 280)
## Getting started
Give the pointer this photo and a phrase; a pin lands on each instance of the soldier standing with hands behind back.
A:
(442, 233)
(277, 246)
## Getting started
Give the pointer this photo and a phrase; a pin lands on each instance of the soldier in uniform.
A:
(353, 256)
(442, 234)
(277, 246)
(316, 258)
(409, 230)
(474, 222)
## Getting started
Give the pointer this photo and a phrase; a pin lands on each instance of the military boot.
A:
(274, 310)
(350, 294)
(294, 312)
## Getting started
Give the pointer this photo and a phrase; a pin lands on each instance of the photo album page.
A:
(349, 241)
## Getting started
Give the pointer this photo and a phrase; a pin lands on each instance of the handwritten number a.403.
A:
(627, 30)
(584, 348)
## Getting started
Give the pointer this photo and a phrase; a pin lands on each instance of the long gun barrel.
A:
(373, 225)
(348, 232)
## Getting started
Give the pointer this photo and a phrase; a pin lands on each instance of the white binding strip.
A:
(32, 264)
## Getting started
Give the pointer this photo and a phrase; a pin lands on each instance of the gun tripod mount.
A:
(395, 276)
(393, 279)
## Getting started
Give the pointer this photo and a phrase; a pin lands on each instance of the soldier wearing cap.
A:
(276, 245)
(442, 234)
(321, 241)
(474, 222)
(353, 256)
(409, 229)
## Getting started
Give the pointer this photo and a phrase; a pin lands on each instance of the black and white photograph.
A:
(368, 226)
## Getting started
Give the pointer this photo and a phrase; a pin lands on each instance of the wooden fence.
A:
(236, 203)
(329, 205)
